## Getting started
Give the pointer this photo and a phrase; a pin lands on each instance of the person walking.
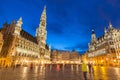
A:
(31, 66)
(90, 67)
(84, 70)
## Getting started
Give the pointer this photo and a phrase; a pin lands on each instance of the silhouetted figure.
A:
(90, 67)
(31, 66)
(84, 70)
(58, 67)
(13, 65)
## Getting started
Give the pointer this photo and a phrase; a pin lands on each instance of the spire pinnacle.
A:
(19, 22)
(43, 15)
(45, 7)
(105, 30)
(93, 36)
(20, 19)
(44, 10)
(93, 31)
(110, 25)
(43, 18)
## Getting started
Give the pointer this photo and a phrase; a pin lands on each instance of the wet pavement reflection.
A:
(58, 72)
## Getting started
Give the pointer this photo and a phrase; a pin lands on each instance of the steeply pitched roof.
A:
(27, 36)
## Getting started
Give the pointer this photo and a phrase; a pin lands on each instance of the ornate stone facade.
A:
(1, 41)
(67, 57)
(23, 48)
(105, 50)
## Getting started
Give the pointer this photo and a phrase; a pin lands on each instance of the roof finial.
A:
(44, 7)
(105, 30)
(19, 22)
(110, 25)
(20, 19)
(93, 31)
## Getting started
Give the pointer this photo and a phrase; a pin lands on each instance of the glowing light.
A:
(101, 61)
(117, 71)
(24, 69)
(67, 62)
(114, 60)
(106, 59)
(36, 61)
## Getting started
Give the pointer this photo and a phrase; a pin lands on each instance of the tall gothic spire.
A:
(43, 18)
(41, 32)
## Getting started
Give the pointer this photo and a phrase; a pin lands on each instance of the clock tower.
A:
(41, 33)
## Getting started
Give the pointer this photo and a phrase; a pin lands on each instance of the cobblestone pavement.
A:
(58, 72)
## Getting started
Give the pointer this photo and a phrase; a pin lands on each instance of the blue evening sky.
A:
(69, 22)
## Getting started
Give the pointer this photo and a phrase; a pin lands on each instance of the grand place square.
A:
(28, 56)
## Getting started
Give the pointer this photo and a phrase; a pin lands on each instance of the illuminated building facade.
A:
(105, 50)
(1, 41)
(74, 56)
(22, 48)
(84, 57)
(67, 57)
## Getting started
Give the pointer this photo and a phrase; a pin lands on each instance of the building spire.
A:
(19, 22)
(18, 26)
(93, 31)
(110, 25)
(43, 16)
(93, 36)
(105, 30)
(41, 32)
(44, 11)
